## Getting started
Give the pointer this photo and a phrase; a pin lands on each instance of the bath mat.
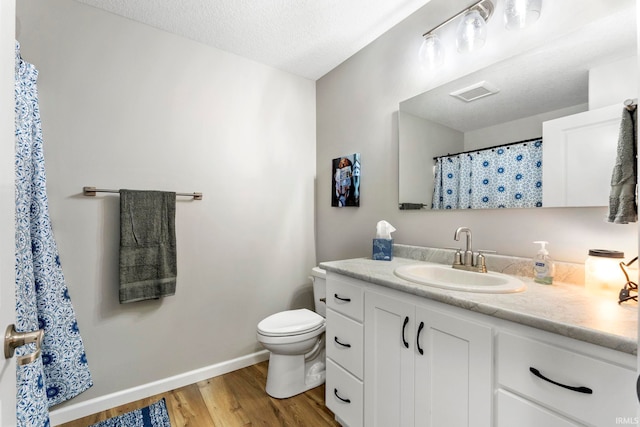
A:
(154, 415)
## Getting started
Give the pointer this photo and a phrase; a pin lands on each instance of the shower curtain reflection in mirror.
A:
(508, 176)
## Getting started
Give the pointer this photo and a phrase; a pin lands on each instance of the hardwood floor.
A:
(234, 399)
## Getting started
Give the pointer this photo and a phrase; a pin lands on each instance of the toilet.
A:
(295, 339)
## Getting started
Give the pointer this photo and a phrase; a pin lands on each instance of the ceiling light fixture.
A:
(472, 28)
(472, 32)
(519, 14)
(431, 51)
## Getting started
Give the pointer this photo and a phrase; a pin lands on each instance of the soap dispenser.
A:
(543, 267)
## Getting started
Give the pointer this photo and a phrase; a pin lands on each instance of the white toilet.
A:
(295, 339)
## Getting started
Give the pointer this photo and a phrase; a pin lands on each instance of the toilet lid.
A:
(290, 322)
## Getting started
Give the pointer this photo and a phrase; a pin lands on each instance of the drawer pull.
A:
(420, 350)
(404, 326)
(335, 391)
(338, 342)
(585, 390)
(342, 299)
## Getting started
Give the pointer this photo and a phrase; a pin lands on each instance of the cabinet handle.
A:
(404, 326)
(420, 350)
(335, 391)
(537, 373)
(342, 299)
(338, 342)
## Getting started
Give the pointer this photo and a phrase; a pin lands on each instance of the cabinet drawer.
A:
(613, 387)
(516, 411)
(344, 395)
(345, 296)
(345, 342)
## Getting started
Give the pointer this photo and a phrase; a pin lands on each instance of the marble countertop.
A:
(562, 308)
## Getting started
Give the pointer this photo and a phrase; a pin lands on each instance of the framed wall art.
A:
(345, 181)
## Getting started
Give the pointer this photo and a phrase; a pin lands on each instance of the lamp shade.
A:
(472, 32)
(431, 52)
(521, 13)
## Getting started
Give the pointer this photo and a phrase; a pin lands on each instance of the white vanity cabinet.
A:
(344, 393)
(423, 366)
(397, 359)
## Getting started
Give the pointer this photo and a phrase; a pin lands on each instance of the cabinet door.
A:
(578, 157)
(453, 371)
(388, 356)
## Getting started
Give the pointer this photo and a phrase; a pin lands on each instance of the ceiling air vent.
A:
(475, 91)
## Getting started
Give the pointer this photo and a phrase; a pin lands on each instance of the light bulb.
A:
(471, 33)
(431, 52)
(521, 13)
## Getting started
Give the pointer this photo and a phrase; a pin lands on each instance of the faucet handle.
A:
(480, 263)
(481, 260)
(457, 257)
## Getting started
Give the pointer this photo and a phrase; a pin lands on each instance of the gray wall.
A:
(125, 105)
(357, 105)
(422, 140)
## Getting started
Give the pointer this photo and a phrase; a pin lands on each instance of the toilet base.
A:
(289, 375)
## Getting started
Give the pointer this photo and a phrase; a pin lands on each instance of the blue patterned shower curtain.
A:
(502, 177)
(42, 298)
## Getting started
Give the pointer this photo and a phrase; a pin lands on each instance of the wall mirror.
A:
(583, 71)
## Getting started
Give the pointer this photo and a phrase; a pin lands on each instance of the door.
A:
(453, 371)
(388, 357)
(7, 205)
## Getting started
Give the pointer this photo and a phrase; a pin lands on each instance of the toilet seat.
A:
(290, 322)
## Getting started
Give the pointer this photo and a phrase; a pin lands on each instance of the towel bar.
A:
(91, 191)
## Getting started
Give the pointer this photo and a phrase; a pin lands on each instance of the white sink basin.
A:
(444, 276)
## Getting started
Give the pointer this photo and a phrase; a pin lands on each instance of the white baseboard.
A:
(102, 403)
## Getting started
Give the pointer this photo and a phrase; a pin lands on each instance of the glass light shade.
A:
(521, 13)
(431, 52)
(471, 33)
(602, 270)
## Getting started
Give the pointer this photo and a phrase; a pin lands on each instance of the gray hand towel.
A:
(148, 267)
(622, 199)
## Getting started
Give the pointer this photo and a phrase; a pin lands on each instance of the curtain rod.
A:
(91, 191)
(488, 148)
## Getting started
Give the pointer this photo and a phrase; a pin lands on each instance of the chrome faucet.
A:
(465, 261)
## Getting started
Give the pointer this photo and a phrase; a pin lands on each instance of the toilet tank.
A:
(319, 278)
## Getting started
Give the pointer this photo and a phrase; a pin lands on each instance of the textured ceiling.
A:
(305, 37)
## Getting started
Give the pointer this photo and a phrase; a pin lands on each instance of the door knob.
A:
(14, 339)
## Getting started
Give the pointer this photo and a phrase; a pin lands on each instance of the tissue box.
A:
(383, 249)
